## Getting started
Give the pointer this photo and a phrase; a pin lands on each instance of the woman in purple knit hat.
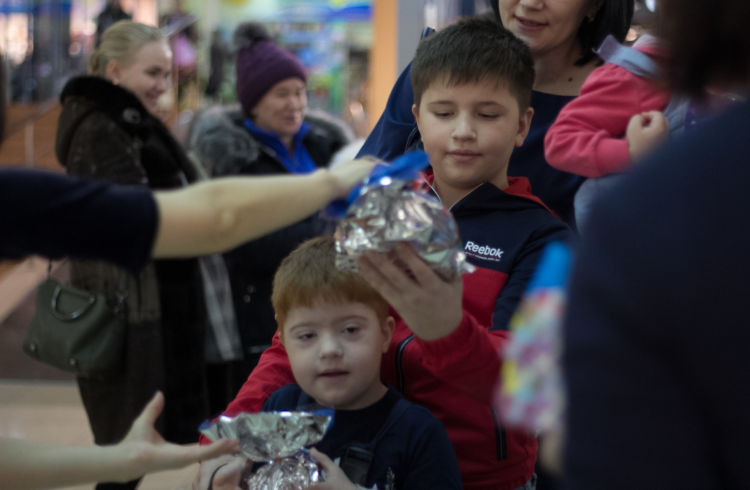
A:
(271, 132)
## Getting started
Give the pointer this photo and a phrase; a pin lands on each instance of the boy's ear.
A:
(524, 124)
(280, 328)
(388, 326)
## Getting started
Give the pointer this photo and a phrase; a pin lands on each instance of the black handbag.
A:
(78, 331)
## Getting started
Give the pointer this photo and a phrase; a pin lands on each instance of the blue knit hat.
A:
(261, 64)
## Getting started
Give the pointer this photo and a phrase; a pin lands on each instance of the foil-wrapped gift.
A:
(293, 473)
(392, 207)
(279, 439)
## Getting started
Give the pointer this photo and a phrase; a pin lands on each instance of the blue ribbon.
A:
(406, 167)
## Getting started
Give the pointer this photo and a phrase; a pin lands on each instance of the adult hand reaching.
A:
(30, 465)
(148, 451)
(349, 174)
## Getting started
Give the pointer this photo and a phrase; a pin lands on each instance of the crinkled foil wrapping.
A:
(277, 438)
(390, 211)
(293, 473)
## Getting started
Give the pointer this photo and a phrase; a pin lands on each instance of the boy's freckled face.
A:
(469, 132)
(335, 352)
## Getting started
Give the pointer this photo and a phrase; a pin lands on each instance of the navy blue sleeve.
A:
(656, 333)
(432, 461)
(54, 215)
(389, 137)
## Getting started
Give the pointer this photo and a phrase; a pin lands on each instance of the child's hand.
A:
(430, 306)
(645, 131)
(336, 479)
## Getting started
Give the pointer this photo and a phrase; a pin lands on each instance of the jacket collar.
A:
(119, 103)
(489, 196)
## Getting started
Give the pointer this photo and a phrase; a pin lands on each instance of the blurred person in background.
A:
(656, 332)
(217, 56)
(181, 29)
(109, 129)
(111, 14)
(271, 133)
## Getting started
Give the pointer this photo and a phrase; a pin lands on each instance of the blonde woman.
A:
(110, 129)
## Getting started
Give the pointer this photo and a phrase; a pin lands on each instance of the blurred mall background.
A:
(352, 48)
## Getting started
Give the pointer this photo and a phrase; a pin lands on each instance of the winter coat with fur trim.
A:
(104, 132)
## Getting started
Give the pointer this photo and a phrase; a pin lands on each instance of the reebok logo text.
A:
(483, 251)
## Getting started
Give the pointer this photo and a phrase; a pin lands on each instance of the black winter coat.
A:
(104, 132)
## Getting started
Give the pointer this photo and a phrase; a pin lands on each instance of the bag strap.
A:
(122, 286)
(357, 458)
(631, 59)
(396, 412)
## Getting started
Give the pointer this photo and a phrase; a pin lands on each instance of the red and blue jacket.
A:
(504, 233)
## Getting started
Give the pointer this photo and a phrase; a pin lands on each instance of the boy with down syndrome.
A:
(335, 328)
(472, 86)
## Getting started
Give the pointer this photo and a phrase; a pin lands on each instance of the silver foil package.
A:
(293, 473)
(389, 211)
(278, 438)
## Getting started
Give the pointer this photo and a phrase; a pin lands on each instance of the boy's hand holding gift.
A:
(335, 478)
(276, 438)
(427, 302)
(406, 245)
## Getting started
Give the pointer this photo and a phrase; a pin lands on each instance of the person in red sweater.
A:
(615, 119)
(472, 86)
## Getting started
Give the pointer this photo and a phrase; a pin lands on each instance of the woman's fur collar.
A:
(120, 104)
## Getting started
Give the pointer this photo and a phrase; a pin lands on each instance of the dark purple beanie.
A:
(261, 64)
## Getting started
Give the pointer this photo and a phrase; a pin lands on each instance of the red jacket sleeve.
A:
(468, 359)
(588, 136)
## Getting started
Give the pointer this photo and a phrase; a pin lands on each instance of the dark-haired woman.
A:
(270, 133)
(562, 35)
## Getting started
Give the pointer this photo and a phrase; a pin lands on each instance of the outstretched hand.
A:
(148, 451)
(429, 305)
(336, 479)
(349, 174)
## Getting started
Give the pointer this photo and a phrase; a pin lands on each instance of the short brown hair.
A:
(309, 275)
(474, 50)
